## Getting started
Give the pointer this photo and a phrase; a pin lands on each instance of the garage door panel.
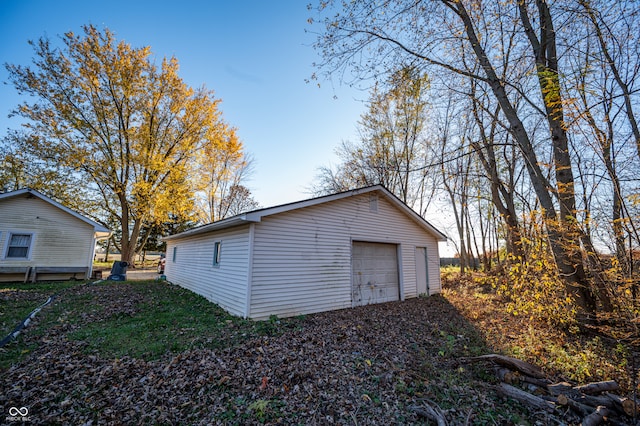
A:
(391, 277)
(375, 273)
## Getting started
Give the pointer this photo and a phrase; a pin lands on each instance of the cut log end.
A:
(508, 376)
(630, 407)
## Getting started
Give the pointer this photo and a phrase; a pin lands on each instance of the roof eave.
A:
(223, 224)
(102, 234)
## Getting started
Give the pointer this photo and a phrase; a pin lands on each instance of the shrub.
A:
(533, 288)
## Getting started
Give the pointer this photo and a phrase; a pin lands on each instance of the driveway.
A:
(138, 274)
(142, 274)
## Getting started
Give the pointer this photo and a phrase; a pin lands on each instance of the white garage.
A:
(339, 251)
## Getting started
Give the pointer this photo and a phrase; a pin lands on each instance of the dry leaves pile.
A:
(370, 365)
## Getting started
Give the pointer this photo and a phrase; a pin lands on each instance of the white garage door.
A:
(374, 273)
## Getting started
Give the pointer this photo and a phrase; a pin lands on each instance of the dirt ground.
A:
(375, 365)
(372, 365)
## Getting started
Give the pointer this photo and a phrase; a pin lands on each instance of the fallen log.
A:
(598, 387)
(525, 397)
(597, 400)
(512, 363)
(560, 388)
(628, 405)
(549, 398)
(592, 401)
(534, 389)
(543, 383)
(578, 407)
(596, 417)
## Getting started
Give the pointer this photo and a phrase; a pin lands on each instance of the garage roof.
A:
(257, 215)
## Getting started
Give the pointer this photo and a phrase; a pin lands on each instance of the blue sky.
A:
(255, 55)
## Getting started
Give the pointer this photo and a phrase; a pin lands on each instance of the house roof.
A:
(101, 231)
(257, 215)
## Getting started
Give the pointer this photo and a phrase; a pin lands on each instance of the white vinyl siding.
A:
(58, 239)
(302, 258)
(224, 284)
(299, 266)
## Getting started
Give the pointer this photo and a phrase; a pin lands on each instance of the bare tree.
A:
(423, 31)
(392, 145)
(615, 27)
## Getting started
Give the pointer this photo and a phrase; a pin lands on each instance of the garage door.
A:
(374, 273)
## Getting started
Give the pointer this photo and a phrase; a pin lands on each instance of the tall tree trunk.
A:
(499, 191)
(563, 239)
(106, 253)
(133, 239)
(129, 236)
(544, 49)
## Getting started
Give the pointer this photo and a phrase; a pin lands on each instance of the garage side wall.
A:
(302, 258)
(190, 264)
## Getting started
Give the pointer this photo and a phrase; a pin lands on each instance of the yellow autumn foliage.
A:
(533, 288)
(131, 130)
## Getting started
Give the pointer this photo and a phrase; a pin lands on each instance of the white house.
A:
(343, 250)
(40, 239)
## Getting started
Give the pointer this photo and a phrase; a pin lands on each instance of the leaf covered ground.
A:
(130, 353)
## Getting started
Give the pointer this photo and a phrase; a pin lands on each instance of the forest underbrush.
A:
(566, 349)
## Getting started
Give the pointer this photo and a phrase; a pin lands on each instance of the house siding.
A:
(59, 239)
(224, 284)
(302, 258)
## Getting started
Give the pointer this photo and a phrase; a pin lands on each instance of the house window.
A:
(175, 254)
(216, 253)
(19, 246)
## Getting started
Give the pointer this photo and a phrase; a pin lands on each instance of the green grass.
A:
(31, 295)
(47, 286)
(168, 319)
(13, 312)
(149, 319)
(17, 301)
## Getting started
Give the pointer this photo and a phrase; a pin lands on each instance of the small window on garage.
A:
(216, 253)
(19, 246)
(175, 254)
